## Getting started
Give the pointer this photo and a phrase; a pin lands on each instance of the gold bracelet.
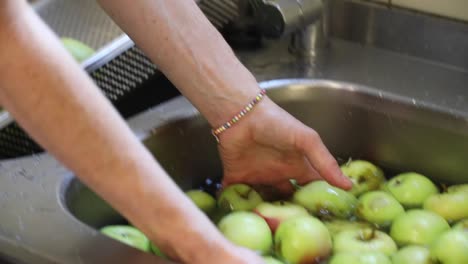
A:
(217, 131)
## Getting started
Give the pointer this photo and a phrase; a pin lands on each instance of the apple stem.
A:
(295, 184)
(349, 161)
(444, 187)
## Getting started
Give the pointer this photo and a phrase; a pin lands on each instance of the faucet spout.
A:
(304, 20)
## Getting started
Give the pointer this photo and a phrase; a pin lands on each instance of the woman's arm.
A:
(56, 102)
(268, 145)
(179, 39)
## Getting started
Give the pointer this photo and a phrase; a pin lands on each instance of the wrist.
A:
(222, 106)
(240, 115)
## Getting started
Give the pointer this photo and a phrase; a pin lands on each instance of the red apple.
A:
(275, 213)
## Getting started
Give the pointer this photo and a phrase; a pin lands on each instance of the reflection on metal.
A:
(306, 21)
(409, 111)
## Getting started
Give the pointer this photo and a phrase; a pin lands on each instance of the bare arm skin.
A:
(57, 103)
(180, 40)
(53, 99)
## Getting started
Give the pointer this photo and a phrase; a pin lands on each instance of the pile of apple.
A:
(405, 219)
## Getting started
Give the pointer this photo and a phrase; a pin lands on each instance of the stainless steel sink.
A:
(354, 122)
(57, 217)
(377, 92)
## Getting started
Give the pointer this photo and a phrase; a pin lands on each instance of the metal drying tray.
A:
(83, 20)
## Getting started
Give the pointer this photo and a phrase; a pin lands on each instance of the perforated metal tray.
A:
(118, 67)
(118, 70)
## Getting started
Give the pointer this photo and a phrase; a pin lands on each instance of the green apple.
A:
(458, 188)
(271, 260)
(364, 240)
(451, 247)
(155, 249)
(360, 258)
(417, 227)
(338, 225)
(239, 197)
(128, 235)
(302, 240)
(248, 230)
(412, 255)
(461, 225)
(326, 201)
(378, 207)
(202, 200)
(364, 175)
(277, 212)
(77, 49)
(453, 206)
(411, 189)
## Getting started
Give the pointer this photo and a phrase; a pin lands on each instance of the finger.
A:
(309, 174)
(311, 145)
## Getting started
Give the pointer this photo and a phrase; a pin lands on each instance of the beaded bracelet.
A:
(217, 131)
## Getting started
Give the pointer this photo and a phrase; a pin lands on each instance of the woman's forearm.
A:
(179, 39)
(56, 102)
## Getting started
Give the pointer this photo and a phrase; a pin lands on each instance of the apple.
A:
(277, 212)
(202, 200)
(303, 240)
(338, 225)
(79, 50)
(412, 255)
(248, 230)
(128, 235)
(411, 189)
(458, 188)
(364, 240)
(155, 249)
(271, 260)
(453, 206)
(378, 207)
(451, 247)
(461, 225)
(417, 227)
(326, 201)
(364, 175)
(360, 258)
(239, 197)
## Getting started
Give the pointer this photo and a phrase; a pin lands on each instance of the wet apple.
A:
(412, 255)
(128, 235)
(239, 197)
(364, 175)
(360, 258)
(379, 208)
(303, 240)
(326, 201)
(248, 230)
(276, 212)
(364, 240)
(411, 189)
(417, 227)
(451, 247)
(202, 200)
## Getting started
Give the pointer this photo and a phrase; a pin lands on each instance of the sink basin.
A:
(353, 121)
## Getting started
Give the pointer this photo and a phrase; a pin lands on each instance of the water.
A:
(23, 173)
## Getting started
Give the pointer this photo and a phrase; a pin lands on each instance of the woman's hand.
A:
(269, 147)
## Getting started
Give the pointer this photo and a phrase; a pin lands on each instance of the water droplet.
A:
(23, 173)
